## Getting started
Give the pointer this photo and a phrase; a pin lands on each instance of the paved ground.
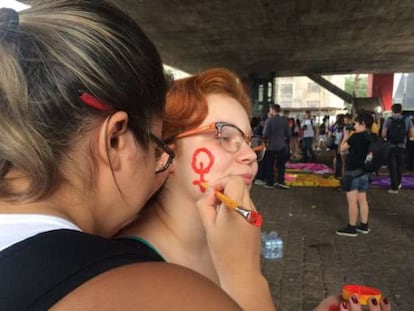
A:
(317, 262)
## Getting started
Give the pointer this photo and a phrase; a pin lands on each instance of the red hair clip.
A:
(93, 102)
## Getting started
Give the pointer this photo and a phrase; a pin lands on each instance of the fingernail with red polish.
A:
(354, 299)
(345, 305)
(385, 300)
(374, 301)
(334, 307)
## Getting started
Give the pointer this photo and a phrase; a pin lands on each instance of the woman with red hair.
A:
(207, 122)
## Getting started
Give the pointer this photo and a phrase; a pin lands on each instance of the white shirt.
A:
(309, 128)
(18, 227)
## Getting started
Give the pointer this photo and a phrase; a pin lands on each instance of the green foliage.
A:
(350, 86)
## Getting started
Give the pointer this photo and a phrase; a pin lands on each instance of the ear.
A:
(114, 138)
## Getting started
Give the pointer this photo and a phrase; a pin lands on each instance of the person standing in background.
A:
(277, 133)
(356, 180)
(308, 135)
(396, 130)
(410, 151)
(336, 133)
(322, 134)
(343, 152)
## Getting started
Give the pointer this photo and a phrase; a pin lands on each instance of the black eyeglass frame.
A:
(165, 148)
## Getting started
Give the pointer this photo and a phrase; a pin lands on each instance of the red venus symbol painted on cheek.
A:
(201, 163)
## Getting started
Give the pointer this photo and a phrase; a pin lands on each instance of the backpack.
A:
(396, 131)
(378, 151)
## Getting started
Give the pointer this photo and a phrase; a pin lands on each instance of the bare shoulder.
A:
(148, 286)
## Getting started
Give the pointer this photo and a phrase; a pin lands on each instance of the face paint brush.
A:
(254, 218)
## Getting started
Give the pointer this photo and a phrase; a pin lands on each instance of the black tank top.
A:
(38, 272)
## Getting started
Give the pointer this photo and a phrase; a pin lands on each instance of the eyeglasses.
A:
(164, 154)
(230, 136)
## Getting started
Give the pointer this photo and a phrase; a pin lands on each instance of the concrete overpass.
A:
(292, 37)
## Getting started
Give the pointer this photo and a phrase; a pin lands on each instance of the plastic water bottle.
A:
(272, 245)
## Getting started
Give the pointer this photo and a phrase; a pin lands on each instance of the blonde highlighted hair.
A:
(61, 47)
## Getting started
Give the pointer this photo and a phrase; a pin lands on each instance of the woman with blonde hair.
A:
(82, 94)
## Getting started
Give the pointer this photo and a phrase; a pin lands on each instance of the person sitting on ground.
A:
(356, 180)
(82, 94)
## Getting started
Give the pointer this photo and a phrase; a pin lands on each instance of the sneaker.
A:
(362, 228)
(399, 186)
(393, 191)
(282, 185)
(259, 182)
(267, 186)
(347, 231)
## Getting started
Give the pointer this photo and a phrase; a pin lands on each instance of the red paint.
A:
(201, 168)
(255, 219)
(361, 293)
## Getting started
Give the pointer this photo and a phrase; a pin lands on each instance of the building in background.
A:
(298, 94)
(404, 90)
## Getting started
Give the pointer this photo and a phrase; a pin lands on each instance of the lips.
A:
(248, 178)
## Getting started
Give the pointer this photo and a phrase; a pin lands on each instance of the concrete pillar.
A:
(262, 92)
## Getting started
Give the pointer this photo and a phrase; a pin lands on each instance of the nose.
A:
(247, 154)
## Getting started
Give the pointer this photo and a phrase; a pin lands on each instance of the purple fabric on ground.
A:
(384, 181)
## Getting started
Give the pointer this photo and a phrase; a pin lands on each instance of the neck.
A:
(173, 226)
(65, 203)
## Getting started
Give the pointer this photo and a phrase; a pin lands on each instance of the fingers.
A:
(335, 303)
(373, 304)
(235, 188)
(207, 208)
(385, 305)
(229, 236)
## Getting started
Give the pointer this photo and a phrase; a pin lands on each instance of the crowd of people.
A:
(110, 172)
(306, 135)
(351, 143)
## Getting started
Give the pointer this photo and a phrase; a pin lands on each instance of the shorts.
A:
(360, 183)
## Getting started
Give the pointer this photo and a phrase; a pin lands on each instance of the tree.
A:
(357, 84)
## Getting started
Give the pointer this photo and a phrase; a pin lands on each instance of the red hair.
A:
(186, 106)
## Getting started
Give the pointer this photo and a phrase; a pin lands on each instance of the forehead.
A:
(227, 109)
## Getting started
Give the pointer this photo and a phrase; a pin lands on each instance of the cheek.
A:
(202, 161)
(255, 167)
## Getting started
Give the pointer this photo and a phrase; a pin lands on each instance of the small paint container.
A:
(363, 293)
